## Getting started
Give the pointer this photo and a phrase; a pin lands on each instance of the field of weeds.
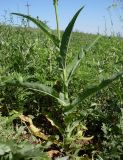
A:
(61, 94)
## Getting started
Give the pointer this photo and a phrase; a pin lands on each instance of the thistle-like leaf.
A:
(35, 86)
(70, 69)
(90, 91)
(43, 89)
(42, 26)
(66, 39)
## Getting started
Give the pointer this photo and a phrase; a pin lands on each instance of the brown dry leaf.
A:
(53, 153)
(32, 128)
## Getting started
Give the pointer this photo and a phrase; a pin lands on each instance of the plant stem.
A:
(65, 85)
(57, 17)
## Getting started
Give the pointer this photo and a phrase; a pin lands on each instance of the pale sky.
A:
(95, 17)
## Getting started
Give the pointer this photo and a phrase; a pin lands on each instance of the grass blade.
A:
(42, 26)
(66, 38)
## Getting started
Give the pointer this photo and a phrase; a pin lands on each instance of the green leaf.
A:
(92, 44)
(43, 89)
(42, 26)
(90, 91)
(13, 115)
(66, 39)
(29, 151)
(4, 149)
(70, 69)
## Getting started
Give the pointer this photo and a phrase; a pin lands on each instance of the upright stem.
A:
(65, 85)
(57, 17)
(55, 2)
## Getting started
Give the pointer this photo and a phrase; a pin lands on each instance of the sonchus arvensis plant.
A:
(73, 129)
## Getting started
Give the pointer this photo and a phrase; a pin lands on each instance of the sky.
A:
(95, 17)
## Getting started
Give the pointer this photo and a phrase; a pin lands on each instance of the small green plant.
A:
(68, 104)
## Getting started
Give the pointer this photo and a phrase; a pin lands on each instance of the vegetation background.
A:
(41, 118)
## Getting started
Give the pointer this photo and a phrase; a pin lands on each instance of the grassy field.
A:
(91, 130)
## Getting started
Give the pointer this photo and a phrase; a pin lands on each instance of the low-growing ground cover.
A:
(39, 121)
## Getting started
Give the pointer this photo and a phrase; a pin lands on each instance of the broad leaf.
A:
(43, 89)
(66, 38)
(70, 69)
(39, 87)
(42, 26)
(4, 149)
(90, 91)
